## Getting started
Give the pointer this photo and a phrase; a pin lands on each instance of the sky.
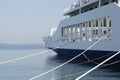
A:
(28, 21)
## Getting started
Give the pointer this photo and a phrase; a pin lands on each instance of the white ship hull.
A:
(101, 48)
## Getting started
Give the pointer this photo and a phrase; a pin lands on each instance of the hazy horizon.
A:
(27, 21)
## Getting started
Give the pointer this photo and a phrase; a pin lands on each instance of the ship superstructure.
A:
(86, 22)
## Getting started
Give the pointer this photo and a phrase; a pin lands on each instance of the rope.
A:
(35, 54)
(97, 66)
(17, 59)
(69, 75)
(84, 71)
(111, 63)
(86, 57)
(88, 62)
(65, 62)
(93, 61)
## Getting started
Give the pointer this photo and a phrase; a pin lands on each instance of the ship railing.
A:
(87, 38)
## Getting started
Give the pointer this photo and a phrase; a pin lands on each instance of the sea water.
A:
(33, 66)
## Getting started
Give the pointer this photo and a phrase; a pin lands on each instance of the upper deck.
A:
(86, 5)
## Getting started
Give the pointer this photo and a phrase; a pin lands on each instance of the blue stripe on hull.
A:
(91, 54)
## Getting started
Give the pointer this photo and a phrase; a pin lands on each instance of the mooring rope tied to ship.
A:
(29, 56)
(66, 61)
(89, 60)
(94, 60)
(85, 70)
(24, 57)
(105, 65)
(68, 75)
(21, 58)
(83, 28)
(89, 71)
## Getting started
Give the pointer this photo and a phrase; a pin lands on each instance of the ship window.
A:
(89, 33)
(83, 34)
(109, 21)
(105, 32)
(73, 32)
(93, 23)
(96, 32)
(63, 31)
(73, 25)
(78, 25)
(96, 22)
(73, 29)
(69, 30)
(83, 24)
(115, 1)
(90, 9)
(100, 20)
(89, 23)
(95, 6)
(66, 31)
(78, 29)
(105, 22)
(106, 3)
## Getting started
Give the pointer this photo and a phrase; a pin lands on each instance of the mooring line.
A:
(68, 75)
(25, 57)
(86, 70)
(89, 71)
(89, 60)
(93, 61)
(66, 61)
(110, 63)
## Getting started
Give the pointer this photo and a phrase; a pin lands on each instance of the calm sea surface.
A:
(30, 67)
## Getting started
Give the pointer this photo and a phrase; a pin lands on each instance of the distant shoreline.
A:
(12, 44)
(21, 46)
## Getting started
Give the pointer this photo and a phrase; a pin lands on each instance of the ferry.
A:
(86, 21)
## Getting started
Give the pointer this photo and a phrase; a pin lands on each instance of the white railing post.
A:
(99, 3)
